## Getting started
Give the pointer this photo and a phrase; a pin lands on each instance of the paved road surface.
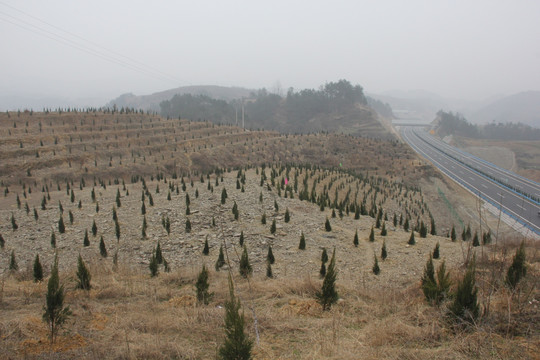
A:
(505, 177)
(519, 207)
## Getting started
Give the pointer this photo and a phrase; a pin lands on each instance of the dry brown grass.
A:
(128, 315)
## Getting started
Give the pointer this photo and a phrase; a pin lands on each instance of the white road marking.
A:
(521, 207)
(484, 186)
(501, 195)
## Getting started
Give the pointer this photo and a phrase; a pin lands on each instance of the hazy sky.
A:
(464, 49)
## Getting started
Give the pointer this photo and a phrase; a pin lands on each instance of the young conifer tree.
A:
(55, 314)
(206, 249)
(465, 307)
(517, 269)
(269, 273)
(270, 256)
(83, 275)
(61, 226)
(102, 248)
(302, 245)
(411, 241)
(13, 266)
(202, 285)
(221, 259)
(94, 228)
(327, 225)
(328, 294)
(153, 266)
(38, 270)
(384, 232)
(436, 251)
(241, 240)
(245, 266)
(372, 235)
(376, 269)
(86, 241)
(159, 255)
(355, 240)
(384, 253)
(453, 235)
(237, 344)
(273, 227)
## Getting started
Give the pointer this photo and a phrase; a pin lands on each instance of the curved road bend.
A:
(518, 207)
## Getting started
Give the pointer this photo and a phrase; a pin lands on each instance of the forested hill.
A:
(448, 123)
(335, 107)
(151, 102)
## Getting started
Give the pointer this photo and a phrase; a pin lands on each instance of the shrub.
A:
(465, 307)
(517, 269)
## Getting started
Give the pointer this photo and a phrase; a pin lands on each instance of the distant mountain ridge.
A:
(152, 101)
(523, 108)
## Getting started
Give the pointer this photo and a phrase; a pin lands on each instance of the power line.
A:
(104, 54)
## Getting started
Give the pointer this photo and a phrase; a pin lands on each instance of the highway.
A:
(524, 186)
(521, 208)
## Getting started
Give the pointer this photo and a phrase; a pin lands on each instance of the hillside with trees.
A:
(334, 107)
(127, 235)
(449, 123)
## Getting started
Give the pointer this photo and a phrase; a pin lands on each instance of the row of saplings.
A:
(435, 286)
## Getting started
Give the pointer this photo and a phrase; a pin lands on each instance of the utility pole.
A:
(243, 125)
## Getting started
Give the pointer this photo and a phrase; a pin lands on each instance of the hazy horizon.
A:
(100, 50)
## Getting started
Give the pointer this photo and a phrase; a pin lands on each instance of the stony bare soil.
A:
(127, 314)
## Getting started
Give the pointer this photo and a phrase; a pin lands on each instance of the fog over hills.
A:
(523, 107)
